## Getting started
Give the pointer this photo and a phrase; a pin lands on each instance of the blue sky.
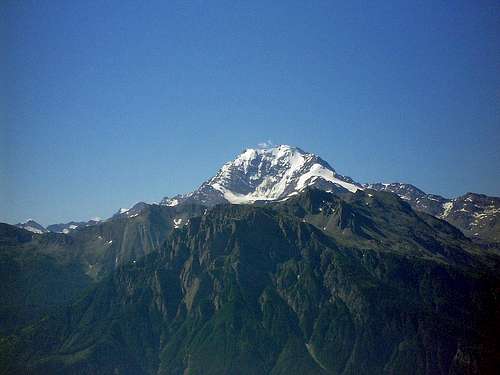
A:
(103, 104)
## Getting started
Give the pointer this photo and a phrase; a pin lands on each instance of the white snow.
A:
(123, 210)
(318, 170)
(448, 206)
(33, 229)
(171, 202)
(272, 174)
(177, 223)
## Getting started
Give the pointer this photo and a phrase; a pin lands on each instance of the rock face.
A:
(477, 215)
(322, 283)
(429, 203)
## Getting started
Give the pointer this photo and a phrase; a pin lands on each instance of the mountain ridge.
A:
(289, 170)
(322, 283)
(280, 172)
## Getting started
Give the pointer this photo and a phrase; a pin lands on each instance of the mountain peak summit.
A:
(267, 174)
(32, 226)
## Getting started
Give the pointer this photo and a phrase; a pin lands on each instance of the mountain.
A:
(278, 173)
(322, 283)
(477, 215)
(276, 265)
(72, 225)
(266, 175)
(40, 272)
(32, 226)
(133, 211)
(429, 203)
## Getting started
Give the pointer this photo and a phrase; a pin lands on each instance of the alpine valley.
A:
(276, 265)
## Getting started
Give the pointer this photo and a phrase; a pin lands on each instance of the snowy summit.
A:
(266, 174)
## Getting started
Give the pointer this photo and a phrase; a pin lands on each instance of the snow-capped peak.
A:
(266, 174)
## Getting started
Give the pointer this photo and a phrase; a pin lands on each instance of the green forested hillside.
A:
(315, 285)
(39, 272)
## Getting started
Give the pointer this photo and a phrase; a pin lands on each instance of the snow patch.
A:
(177, 222)
(448, 206)
(318, 170)
(171, 202)
(33, 229)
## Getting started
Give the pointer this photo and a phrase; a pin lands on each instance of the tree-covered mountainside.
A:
(318, 284)
(39, 272)
(33, 281)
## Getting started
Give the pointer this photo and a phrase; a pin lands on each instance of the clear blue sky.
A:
(105, 103)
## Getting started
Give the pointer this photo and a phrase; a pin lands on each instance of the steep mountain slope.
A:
(429, 203)
(39, 272)
(266, 175)
(319, 284)
(477, 215)
(35, 276)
